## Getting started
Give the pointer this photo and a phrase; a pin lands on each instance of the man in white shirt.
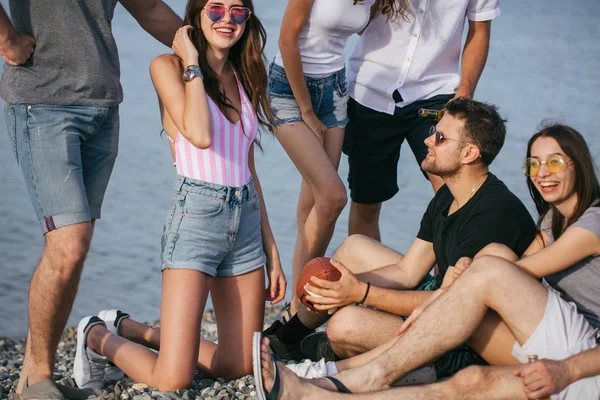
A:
(398, 67)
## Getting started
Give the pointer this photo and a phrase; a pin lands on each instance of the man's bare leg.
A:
(490, 282)
(51, 295)
(350, 332)
(359, 254)
(364, 220)
(473, 383)
(355, 330)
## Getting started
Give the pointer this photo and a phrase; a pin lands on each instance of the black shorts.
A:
(372, 143)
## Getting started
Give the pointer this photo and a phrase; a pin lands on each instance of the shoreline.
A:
(203, 386)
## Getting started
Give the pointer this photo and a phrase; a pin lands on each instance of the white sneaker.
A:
(88, 369)
(112, 319)
(419, 376)
(309, 369)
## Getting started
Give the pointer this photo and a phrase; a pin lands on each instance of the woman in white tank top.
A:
(308, 94)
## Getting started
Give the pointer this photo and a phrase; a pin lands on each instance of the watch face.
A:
(191, 74)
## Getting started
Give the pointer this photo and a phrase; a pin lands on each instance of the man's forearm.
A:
(474, 57)
(388, 277)
(156, 17)
(584, 365)
(398, 302)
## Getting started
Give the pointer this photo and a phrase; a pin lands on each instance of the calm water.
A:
(543, 64)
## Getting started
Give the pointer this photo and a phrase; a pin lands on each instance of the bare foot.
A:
(290, 386)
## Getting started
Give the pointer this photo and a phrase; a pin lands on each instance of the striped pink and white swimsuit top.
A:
(225, 162)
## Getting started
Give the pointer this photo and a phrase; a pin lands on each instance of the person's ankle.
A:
(34, 377)
(94, 338)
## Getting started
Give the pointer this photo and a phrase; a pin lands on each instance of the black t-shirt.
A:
(493, 215)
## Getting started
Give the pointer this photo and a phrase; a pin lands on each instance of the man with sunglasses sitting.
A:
(472, 210)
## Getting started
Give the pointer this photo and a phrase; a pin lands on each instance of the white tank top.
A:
(323, 37)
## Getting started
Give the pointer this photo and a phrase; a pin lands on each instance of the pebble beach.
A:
(204, 386)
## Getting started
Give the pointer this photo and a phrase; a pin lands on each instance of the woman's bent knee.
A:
(498, 250)
(172, 383)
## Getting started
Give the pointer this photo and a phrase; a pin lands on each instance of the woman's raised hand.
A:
(183, 46)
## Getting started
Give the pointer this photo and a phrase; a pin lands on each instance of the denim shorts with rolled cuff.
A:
(329, 97)
(66, 154)
(213, 229)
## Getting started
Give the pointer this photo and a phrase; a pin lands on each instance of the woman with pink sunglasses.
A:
(308, 93)
(217, 238)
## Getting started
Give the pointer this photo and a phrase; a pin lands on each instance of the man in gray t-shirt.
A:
(61, 83)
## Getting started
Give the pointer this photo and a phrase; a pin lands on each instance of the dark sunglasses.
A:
(238, 14)
(439, 136)
(555, 163)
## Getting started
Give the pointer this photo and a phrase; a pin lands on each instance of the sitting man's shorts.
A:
(66, 154)
(458, 358)
(562, 333)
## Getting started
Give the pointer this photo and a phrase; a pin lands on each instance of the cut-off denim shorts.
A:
(66, 154)
(329, 97)
(213, 229)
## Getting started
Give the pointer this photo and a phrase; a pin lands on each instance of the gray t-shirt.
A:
(581, 282)
(75, 61)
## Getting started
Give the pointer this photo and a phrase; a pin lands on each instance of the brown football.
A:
(322, 269)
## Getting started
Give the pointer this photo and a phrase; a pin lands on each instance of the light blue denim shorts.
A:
(213, 229)
(66, 154)
(329, 97)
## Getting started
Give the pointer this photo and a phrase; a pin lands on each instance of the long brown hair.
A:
(392, 8)
(586, 181)
(246, 57)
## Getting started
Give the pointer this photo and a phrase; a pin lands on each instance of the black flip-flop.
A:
(338, 385)
(261, 393)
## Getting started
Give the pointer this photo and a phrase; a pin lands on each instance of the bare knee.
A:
(333, 202)
(488, 269)
(173, 381)
(498, 250)
(341, 328)
(348, 246)
(66, 257)
(470, 379)
(234, 370)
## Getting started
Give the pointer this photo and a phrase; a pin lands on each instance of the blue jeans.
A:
(66, 154)
(329, 97)
(213, 229)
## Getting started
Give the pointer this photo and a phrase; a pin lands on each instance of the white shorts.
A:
(562, 333)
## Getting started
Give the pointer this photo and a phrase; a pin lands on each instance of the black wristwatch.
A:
(191, 72)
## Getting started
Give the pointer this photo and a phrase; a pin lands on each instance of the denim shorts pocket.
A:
(341, 83)
(200, 206)
(279, 86)
(11, 126)
(169, 246)
(176, 201)
(256, 201)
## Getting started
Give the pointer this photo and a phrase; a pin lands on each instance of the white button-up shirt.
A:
(419, 57)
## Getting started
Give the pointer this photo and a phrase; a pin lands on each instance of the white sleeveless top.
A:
(323, 37)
